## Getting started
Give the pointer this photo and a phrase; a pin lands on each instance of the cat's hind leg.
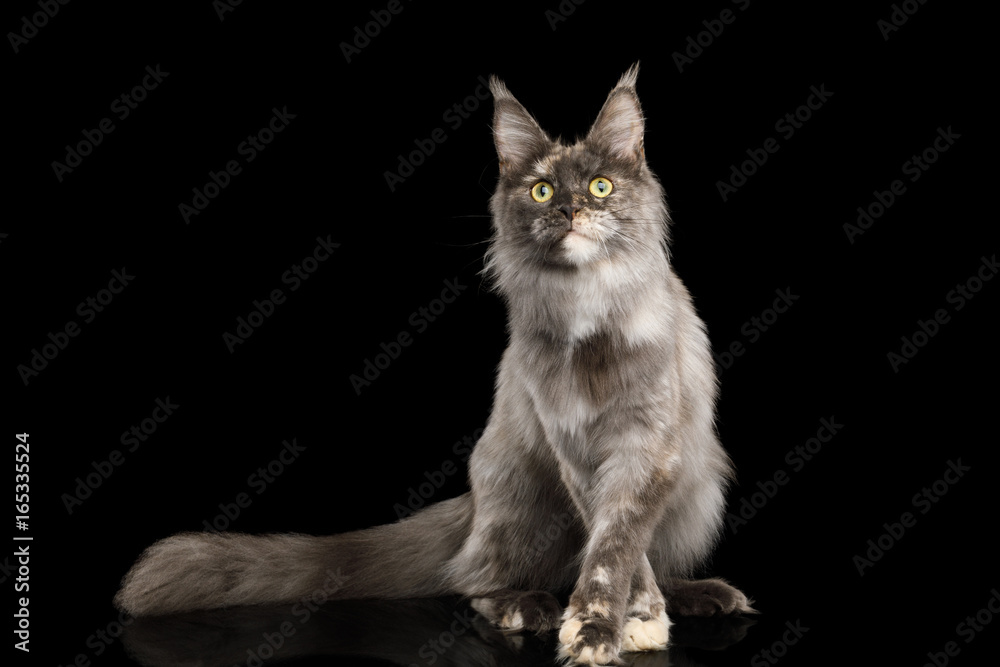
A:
(705, 597)
(520, 611)
(524, 537)
(512, 581)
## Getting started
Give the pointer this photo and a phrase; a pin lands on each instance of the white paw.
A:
(574, 650)
(593, 656)
(651, 635)
(567, 633)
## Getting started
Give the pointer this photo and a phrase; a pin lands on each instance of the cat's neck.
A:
(626, 301)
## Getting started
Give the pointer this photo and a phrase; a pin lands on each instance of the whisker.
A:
(461, 245)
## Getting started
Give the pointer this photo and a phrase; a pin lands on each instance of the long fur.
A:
(599, 469)
(191, 571)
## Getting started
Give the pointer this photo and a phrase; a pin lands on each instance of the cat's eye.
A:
(600, 187)
(542, 191)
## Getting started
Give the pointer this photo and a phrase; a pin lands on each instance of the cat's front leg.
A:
(627, 503)
(647, 627)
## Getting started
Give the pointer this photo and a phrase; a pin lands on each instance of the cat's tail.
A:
(191, 571)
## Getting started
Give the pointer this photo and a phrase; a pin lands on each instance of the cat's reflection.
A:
(444, 632)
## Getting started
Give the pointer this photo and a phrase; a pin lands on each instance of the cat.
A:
(601, 438)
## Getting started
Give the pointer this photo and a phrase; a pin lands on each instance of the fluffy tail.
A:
(191, 571)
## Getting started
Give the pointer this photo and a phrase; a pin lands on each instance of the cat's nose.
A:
(569, 211)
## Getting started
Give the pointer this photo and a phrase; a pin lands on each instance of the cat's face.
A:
(563, 206)
(573, 206)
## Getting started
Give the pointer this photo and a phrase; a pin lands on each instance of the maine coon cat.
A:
(601, 436)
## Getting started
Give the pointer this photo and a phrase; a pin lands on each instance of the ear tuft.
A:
(619, 127)
(629, 77)
(517, 135)
(498, 89)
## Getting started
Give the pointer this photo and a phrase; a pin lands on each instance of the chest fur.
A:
(573, 385)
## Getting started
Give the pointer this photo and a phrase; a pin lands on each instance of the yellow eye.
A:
(600, 187)
(542, 191)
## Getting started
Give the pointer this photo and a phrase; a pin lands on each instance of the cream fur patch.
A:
(651, 635)
(599, 608)
(569, 630)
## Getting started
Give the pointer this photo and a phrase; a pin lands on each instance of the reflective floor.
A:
(444, 632)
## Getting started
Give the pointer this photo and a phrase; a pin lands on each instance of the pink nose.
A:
(569, 211)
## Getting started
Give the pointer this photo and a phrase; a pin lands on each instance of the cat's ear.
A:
(619, 127)
(517, 135)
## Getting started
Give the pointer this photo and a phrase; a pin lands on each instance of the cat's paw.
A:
(520, 611)
(646, 635)
(589, 640)
(706, 597)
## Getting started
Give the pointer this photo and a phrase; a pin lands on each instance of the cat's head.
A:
(564, 207)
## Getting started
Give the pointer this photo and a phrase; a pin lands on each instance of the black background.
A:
(323, 176)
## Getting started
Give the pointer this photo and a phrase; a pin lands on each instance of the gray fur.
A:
(602, 430)
(206, 570)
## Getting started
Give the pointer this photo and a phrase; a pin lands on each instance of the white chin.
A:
(579, 249)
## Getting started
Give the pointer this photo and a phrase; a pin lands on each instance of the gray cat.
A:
(599, 470)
